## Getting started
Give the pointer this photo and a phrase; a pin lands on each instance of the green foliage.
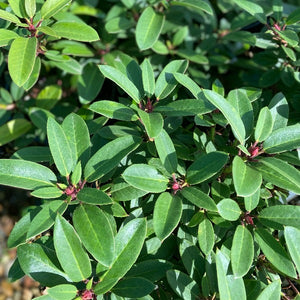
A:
(159, 141)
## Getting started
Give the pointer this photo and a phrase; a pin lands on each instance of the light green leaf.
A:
(242, 251)
(195, 5)
(148, 77)
(206, 236)
(229, 113)
(271, 292)
(25, 174)
(62, 292)
(51, 7)
(289, 36)
(6, 36)
(30, 7)
(13, 130)
(109, 156)
(292, 238)
(279, 109)
(48, 31)
(122, 81)
(274, 252)
(166, 81)
(75, 31)
(153, 123)
(34, 76)
(264, 125)
(148, 28)
(60, 147)
(246, 179)
(252, 201)
(70, 253)
(118, 24)
(18, 7)
(47, 192)
(49, 96)
(188, 83)
(166, 215)
(229, 209)
(21, 59)
(146, 178)
(253, 9)
(93, 196)
(5, 15)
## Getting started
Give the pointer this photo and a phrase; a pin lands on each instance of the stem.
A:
(293, 286)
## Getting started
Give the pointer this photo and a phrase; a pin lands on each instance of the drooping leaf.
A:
(70, 253)
(292, 238)
(148, 28)
(246, 179)
(229, 209)
(51, 7)
(206, 236)
(264, 125)
(21, 59)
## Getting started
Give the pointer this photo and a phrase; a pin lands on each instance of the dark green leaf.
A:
(153, 123)
(206, 236)
(51, 7)
(292, 238)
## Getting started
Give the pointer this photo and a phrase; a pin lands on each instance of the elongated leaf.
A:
(206, 236)
(33, 153)
(166, 151)
(78, 137)
(49, 96)
(166, 215)
(71, 255)
(34, 76)
(229, 209)
(47, 192)
(129, 242)
(114, 110)
(229, 113)
(109, 156)
(242, 251)
(206, 166)
(62, 292)
(30, 7)
(148, 28)
(148, 77)
(252, 201)
(194, 5)
(184, 286)
(6, 36)
(198, 198)
(25, 174)
(275, 216)
(279, 173)
(166, 81)
(21, 59)
(18, 7)
(39, 117)
(188, 83)
(279, 109)
(122, 191)
(292, 238)
(13, 129)
(122, 81)
(5, 15)
(51, 7)
(271, 292)
(95, 233)
(75, 31)
(146, 178)
(274, 252)
(93, 196)
(253, 9)
(46, 217)
(153, 123)
(60, 147)
(264, 125)
(293, 17)
(283, 139)
(246, 179)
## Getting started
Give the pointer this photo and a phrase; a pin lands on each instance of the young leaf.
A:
(75, 31)
(166, 81)
(292, 238)
(60, 148)
(229, 113)
(30, 7)
(166, 151)
(71, 255)
(242, 251)
(128, 245)
(246, 179)
(148, 77)
(51, 7)
(148, 28)
(146, 178)
(153, 123)
(206, 166)
(93, 196)
(166, 215)
(264, 125)
(274, 252)
(25, 174)
(95, 233)
(271, 292)
(229, 209)
(109, 156)
(21, 59)
(206, 236)
(253, 9)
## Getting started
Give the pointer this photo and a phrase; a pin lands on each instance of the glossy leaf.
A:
(246, 179)
(21, 59)
(122, 191)
(253, 9)
(229, 113)
(128, 245)
(264, 125)
(271, 292)
(274, 252)
(6, 36)
(34, 76)
(189, 83)
(51, 7)
(5, 15)
(93, 196)
(166, 151)
(49, 96)
(148, 28)
(25, 174)
(62, 292)
(229, 209)
(199, 198)
(279, 109)
(148, 77)
(194, 5)
(242, 251)
(13, 130)
(166, 215)
(166, 81)
(146, 178)
(39, 117)
(70, 253)
(60, 147)
(153, 123)
(206, 236)
(33, 153)
(95, 233)
(30, 7)
(292, 238)
(293, 17)
(109, 156)
(206, 166)
(252, 201)
(47, 192)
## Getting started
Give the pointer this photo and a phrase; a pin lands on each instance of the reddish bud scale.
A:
(175, 186)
